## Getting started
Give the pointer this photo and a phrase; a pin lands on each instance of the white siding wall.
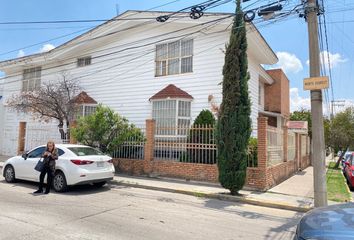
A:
(128, 82)
(1, 114)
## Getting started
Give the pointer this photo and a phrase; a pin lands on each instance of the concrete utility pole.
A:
(318, 155)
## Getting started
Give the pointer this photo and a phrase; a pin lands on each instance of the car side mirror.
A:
(25, 155)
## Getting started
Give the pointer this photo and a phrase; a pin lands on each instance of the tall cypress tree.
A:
(234, 125)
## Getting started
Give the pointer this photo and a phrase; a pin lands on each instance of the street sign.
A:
(316, 83)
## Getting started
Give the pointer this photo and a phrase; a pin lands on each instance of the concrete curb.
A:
(219, 196)
(223, 197)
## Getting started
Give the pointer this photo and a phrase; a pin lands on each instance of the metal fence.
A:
(131, 145)
(275, 151)
(191, 144)
(291, 146)
(37, 135)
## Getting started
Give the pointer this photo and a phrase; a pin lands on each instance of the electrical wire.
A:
(100, 70)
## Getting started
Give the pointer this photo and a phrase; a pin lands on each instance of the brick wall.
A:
(277, 96)
(261, 177)
(188, 171)
(255, 178)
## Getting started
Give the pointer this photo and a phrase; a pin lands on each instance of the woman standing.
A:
(49, 156)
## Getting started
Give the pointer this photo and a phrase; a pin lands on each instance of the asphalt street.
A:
(117, 212)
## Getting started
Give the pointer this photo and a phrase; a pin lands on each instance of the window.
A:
(85, 110)
(36, 153)
(60, 152)
(172, 117)
(174, 58)
(85, 151)
(85, 61)
(31, 79)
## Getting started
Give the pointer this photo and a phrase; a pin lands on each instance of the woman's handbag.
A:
(40, 165)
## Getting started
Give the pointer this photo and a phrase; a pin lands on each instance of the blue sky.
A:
(287, 38)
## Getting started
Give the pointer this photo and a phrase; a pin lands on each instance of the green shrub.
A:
(205, 119)
(105, 129)
(253, 152)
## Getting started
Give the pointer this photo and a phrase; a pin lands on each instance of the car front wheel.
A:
(59, 182)
(10, 174)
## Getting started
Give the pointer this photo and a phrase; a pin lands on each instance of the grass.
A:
(337, 188)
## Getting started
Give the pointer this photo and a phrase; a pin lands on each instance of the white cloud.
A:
(297, 102)
(21, 53)
(342, 104)
(46, 48)
(288, 62)
(335, 59)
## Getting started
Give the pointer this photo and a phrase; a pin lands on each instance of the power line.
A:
(113, 53)
(328, 58)
(62, 36)
(130, 48)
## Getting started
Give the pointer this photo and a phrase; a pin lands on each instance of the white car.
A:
(76, 165)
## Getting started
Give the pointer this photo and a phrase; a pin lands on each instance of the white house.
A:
(142, 68)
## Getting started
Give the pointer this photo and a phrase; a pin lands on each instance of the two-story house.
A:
(144, 69)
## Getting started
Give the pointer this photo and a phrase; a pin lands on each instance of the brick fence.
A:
(168, 168)
(262, 177)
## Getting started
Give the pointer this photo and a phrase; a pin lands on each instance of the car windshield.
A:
(85, 151)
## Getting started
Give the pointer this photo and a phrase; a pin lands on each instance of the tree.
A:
(105, 129)
(303, 115)
(53, 100)
(342, 131)
(234, 123)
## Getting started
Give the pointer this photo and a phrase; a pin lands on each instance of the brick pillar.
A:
(285, 143)
(21, 138)
(72, 140)
(262, 142)
(149, 145)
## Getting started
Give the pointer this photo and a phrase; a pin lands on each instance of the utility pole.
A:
(318, 154)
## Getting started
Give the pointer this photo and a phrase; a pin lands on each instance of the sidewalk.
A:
(266, 199)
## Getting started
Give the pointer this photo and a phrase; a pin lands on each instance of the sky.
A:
(287, 38)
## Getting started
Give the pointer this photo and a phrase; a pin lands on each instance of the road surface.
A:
(118, 212)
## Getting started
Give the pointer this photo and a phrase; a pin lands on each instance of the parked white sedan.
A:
(76, 165)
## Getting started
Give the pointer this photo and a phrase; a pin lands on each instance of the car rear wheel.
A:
(10, 174)
(59, 182)
(99, 184)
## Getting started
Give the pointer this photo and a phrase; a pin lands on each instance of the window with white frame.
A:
(174, 58)
(85, 110)
(172, 117)
(31, 79)
(85, 61)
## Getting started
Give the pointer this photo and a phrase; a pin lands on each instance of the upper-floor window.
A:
(31, 79)
(174, 58)
(85, 61)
